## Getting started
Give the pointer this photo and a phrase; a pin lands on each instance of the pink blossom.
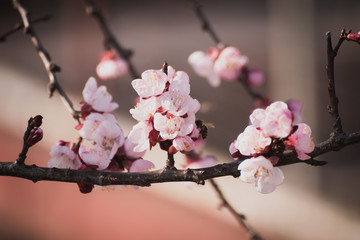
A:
(141, 165)
(252, 141)
(151, 83)
(139, 136)
(184, 144)
(92, 122)
(203, 65)
(255, 78)
(301, 141)
(109, 136)
(111, 66)
(129, 150)
(235, 153)
(260, 171)
(171, 126)
(177, 100)
(145, 109)
(98, 97)
(295, 107)
(63, 157)
(230, 63)
(96, 157)
(277, 121)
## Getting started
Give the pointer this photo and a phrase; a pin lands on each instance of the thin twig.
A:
(239, 217)
(334, 101)
(20, 26)
(92, 9)
(50, 67)
(206, 26)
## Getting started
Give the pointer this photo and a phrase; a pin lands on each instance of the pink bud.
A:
(354, 37)
(255, 78)
(36, 134)
(111, 66)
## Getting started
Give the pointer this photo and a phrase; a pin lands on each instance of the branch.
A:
(334, 101)
(20, 26)
(206, 26)
(110, 41)
(50, 67)
(35, 173)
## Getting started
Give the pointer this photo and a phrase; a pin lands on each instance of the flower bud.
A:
(36, 134)
(35, 121)
(354, 37)
(85, 188)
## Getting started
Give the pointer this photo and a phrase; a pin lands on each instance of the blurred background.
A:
(285, 39)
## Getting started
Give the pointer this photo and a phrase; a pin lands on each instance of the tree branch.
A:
(92, 9)
(206, 26)
(50, 67)
(334, 101)
(35, 173)
(239, 217)
(20, 26)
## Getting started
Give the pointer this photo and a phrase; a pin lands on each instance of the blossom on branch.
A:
(271, 133)
(261, 171)
(227, 64)
(64, 156)
(165, 111)
(97, 98)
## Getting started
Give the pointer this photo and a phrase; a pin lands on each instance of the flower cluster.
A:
(227, 64)
(271, 132)
(165, 111)
(111, 66)
(109, 149)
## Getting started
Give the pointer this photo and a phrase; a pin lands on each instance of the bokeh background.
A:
(285, 39)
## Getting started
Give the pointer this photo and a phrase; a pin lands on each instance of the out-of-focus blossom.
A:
(301, 141)
(141, 165)
(203, 65)
(295, 107)
(111, 66)
(260, 171)
(354, 37)
(255, 77)
(200, 162)
(98, 97)
(62, 156)
(229, 64)
(215, 65)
